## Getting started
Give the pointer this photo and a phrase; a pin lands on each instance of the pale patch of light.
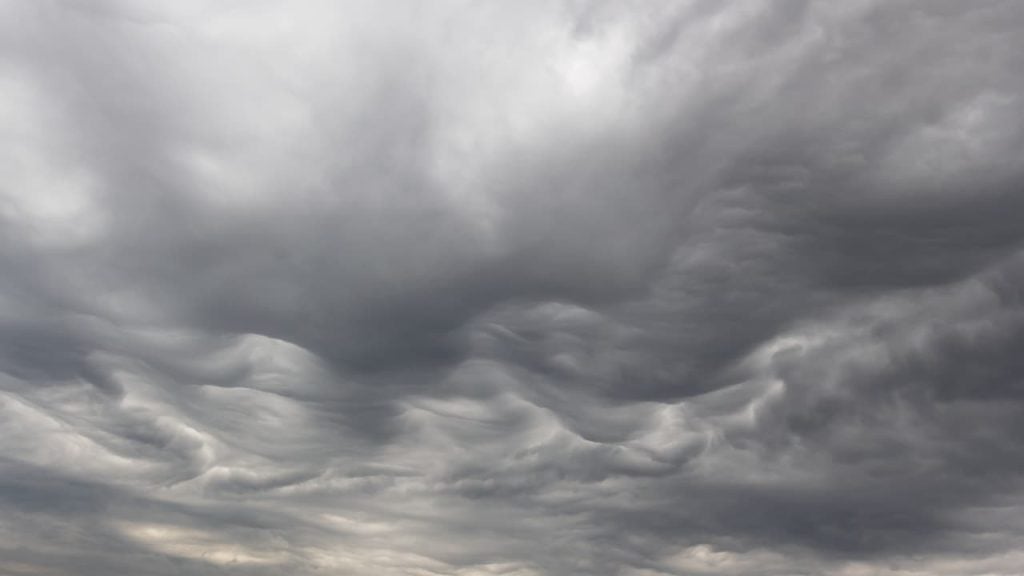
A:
(1006, 564)
(705, 558)
(200, 545)
(582, 69)
(963, 140)
(48, 440)
(591, 74)
(764, 357)
(18, 568)
(496, 569)
(46, 192)
(672, 434)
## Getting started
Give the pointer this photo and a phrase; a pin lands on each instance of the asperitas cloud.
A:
(561, 288)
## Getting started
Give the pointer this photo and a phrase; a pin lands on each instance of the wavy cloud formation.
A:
(585, 287)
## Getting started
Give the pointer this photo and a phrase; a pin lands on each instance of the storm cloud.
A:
(575, 287)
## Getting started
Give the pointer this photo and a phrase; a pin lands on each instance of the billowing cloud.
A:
(534, 288)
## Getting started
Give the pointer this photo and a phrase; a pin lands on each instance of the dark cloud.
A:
(583, 287)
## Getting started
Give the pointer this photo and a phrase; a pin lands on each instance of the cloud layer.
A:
(583, 287)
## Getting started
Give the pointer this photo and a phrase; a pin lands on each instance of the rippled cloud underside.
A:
(532, 288)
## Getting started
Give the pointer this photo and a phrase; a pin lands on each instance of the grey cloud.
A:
(545, 288)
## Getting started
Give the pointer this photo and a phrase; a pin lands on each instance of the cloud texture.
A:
(584, 287)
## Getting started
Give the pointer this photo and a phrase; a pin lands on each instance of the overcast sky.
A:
(519, 288)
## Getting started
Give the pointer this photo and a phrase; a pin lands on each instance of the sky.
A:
(531, 288)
